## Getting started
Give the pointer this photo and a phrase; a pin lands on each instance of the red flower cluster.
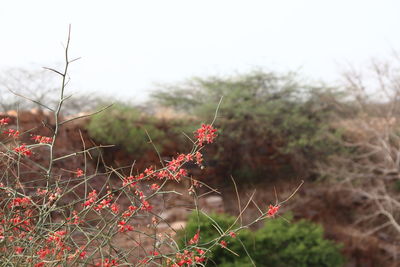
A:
(57, 238)
(132, 180)
(107, 263)
(56, 246)
(232, 234)
(175, 164)
(5, 121)
(272, 210)
(19, 250)
(173, 171)
(44, 252)
(199, 158)
(195, 238)
(206, 134)
(106, 203)
(21, 224)
(18, 224)
(223, 243)
(189, 258)
(103, 204)
(41, 192)
(20, 202)
(81, 253)
(23, 150)
(129, 212)
(154, 187)
(12, 132)
(114, 208)
(42, 139)
(79, 173)
(123, 227)
(146, 206)
(92, 197)
(74, 219)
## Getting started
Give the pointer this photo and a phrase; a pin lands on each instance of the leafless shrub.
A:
(42, 86)
(370, 168)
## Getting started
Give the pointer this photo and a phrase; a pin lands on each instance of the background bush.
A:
(277, 243)
(263, 114)
(125, 126)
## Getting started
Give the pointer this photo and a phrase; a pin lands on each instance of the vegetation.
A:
(265, 120)
(54, 212)
(264, 114)
(277, 243)
(125, 126)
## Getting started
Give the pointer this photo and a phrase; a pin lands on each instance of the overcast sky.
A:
(127, 46)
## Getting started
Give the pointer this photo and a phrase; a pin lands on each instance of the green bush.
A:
(126, 127)
(278, 243)
(261, 114)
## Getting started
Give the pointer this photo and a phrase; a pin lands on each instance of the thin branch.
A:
(294, 192)
(238, 199)
(53, 70)
(32, 100)
(216, 110)
(84, 116)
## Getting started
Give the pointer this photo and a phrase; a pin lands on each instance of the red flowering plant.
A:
(51, 216)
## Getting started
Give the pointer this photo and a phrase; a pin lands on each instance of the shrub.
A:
(54, 214)
(277, 113)
(278, 243)
(125, 126)
(77, 217)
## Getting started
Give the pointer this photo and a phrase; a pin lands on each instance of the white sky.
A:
(127, 46)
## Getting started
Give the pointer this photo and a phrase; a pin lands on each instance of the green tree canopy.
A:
(260, 112)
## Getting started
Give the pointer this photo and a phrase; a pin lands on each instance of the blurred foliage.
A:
(126, 127)
(397, 185)
(277, 243)
(43, 86)
(38, 85)
(261, 114)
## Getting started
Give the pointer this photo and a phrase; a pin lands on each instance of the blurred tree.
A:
(36, 85)
(41, 86)
(262, 113)
(368, 177)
